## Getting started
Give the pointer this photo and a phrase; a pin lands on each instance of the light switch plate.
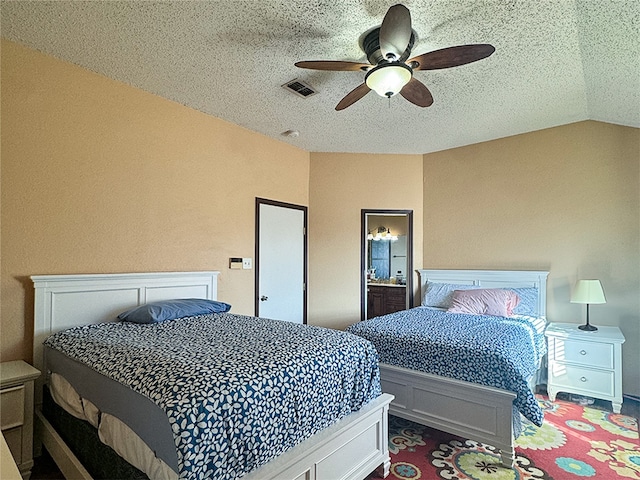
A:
(235, 263)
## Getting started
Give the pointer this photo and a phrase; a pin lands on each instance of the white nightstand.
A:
(585, 363)
(16, 411)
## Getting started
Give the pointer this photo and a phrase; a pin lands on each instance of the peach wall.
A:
(566, 199)
(340, 186)
(92, 170)
(101, 177)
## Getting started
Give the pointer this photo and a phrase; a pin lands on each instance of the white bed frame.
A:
(350, 449)
(472, 411)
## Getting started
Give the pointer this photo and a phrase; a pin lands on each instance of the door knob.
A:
(264, 298)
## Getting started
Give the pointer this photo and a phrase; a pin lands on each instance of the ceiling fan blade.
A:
(395, 32)
(333, 65)
(451, 56)
(417, 93)
(353, 96)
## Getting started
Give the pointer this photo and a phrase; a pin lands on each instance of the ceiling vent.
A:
(300, 88)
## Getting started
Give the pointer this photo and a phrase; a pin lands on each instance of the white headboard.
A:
(491, 279)
(64, 301)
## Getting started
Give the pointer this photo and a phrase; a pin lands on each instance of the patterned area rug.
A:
(573, 443)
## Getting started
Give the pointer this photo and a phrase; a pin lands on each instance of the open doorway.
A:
(386, 262)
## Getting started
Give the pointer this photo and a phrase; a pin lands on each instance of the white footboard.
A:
(351, 449)
(475, 412)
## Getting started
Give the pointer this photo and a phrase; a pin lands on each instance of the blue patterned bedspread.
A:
(238, 390)
(493, 351)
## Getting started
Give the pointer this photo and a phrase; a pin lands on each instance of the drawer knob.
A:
(583, 352)
(583, 379)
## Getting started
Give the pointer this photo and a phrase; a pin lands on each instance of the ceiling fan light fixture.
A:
(390, 70)
(389, 78)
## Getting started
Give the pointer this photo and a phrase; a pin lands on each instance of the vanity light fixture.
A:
(382, 233)
(388, 236)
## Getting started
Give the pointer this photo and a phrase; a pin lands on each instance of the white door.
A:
(281, 261)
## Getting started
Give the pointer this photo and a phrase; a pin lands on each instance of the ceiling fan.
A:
(389, 72)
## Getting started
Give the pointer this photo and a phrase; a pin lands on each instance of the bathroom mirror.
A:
(386, 262)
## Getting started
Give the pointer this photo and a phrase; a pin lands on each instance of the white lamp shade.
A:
(588, 291)
(387, 80)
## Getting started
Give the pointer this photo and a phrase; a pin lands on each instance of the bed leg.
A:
(37, 434)
(383, 470)
(507, 457)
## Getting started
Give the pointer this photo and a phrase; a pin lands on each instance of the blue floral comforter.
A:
(494, 351)
(238, 390)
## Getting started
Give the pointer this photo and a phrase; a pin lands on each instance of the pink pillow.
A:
(484, 301)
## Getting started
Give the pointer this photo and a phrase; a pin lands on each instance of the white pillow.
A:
(441, 294)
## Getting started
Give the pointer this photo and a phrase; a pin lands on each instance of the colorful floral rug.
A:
(574, 442)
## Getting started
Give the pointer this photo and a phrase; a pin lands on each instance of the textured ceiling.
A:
(556, 62)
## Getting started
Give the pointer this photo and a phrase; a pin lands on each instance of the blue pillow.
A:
(171, 309)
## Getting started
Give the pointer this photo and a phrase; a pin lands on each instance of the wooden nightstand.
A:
(16, 411)
(585, 363)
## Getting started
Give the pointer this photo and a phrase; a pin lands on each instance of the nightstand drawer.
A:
(12, 407)
(16, 411)
(596, 382)
(590, 354)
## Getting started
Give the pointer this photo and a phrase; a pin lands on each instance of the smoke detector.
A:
(290, 133)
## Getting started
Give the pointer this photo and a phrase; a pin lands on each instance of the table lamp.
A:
(588, 291)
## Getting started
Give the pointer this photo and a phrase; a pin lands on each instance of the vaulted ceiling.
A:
(556, 62)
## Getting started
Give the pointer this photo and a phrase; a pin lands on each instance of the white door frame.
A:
(264, 201)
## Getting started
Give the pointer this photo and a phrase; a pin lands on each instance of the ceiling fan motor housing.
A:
(370, 45)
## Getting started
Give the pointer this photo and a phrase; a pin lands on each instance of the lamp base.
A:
(588, 328)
